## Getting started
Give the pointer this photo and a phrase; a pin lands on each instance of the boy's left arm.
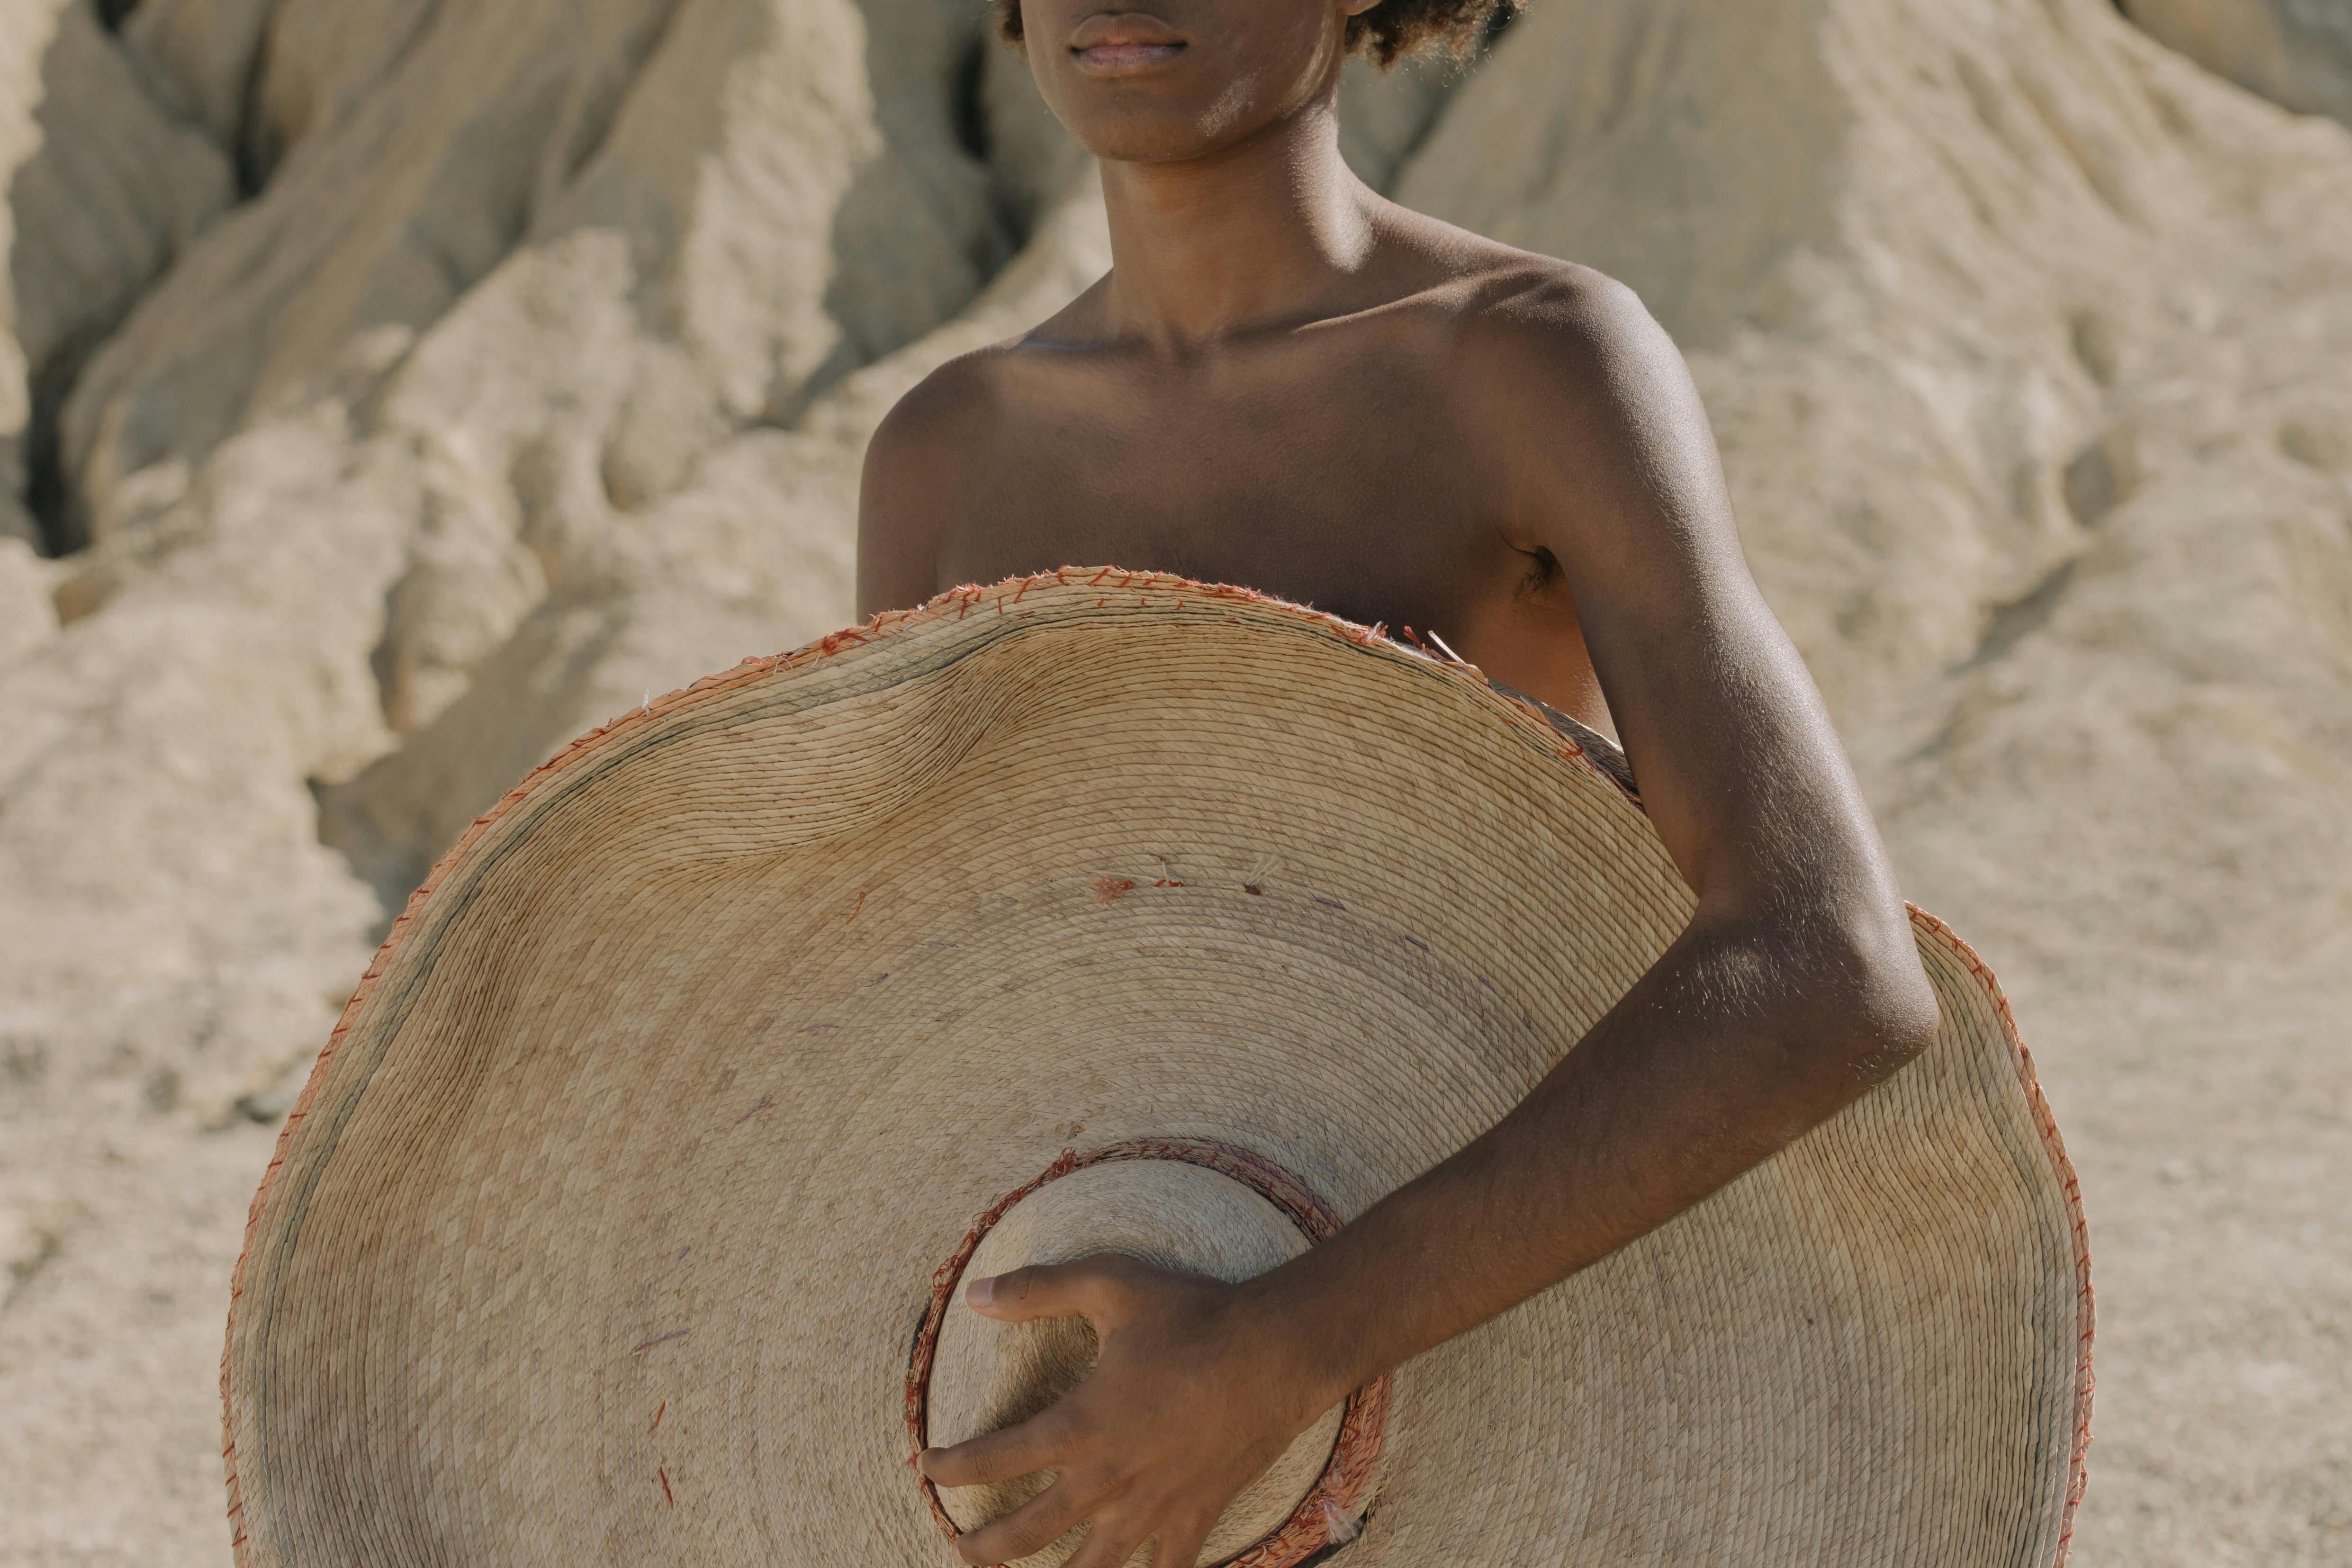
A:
(1794, 989)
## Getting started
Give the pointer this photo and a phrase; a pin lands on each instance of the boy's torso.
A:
(1353, 463)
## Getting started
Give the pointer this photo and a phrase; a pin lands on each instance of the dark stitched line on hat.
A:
(1338, 1540)
(661, 1340)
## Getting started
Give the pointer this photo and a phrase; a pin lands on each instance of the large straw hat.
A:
(621, 1217)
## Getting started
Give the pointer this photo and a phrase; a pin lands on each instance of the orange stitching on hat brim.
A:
(2054, 1147)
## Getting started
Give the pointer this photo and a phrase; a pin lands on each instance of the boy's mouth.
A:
(1123, 43)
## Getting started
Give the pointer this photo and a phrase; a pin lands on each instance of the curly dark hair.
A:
(1388, 32)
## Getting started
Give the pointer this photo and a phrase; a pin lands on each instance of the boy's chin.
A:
(1162, 134)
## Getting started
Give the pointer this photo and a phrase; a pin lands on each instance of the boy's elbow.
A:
(1882, 1010)
(1850, 998)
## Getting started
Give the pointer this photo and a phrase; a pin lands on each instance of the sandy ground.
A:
(2214, 1135)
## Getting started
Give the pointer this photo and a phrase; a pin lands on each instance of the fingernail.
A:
(980, 1292)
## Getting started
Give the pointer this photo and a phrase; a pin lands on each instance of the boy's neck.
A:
(1254, 234)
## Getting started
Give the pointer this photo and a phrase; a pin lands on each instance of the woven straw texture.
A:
(613, 1221)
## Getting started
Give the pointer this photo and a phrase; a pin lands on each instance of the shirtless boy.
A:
(1290, 382)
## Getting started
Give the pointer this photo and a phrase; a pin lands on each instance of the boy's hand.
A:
(1195, 1393)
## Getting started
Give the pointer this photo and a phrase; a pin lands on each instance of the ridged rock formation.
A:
(2295, 52)
(394, 390)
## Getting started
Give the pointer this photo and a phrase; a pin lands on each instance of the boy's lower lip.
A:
(1125, 59)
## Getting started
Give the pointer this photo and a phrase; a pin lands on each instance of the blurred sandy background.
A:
(392, 389)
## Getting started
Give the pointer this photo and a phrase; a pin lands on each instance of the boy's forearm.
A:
(1730, 1047)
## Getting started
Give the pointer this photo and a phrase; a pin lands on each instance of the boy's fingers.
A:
(1107, 1545)
(1088, 1288)
(1180, 1548)
(997, 1457)
(1037, 1524)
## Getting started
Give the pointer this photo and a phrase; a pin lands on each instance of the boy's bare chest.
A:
(1347, 485)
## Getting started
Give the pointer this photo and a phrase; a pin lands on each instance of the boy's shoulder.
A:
(959, 393)
(1517, 315)
(975, 382)
(1540, 357)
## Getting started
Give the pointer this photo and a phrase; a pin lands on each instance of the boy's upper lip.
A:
(1111, 29)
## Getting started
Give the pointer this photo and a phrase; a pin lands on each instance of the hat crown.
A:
(990, 1374)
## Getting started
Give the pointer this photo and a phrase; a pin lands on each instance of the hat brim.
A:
(604, 1226)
